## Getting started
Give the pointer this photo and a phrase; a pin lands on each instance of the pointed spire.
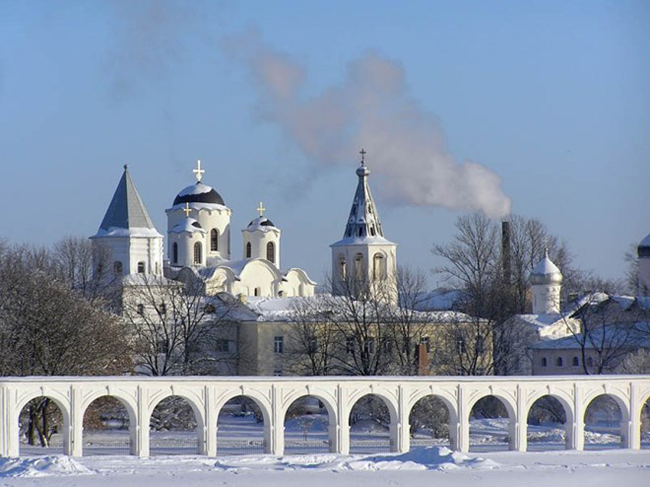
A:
(126, 210)
(364, 219)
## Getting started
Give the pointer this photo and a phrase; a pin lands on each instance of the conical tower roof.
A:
(363, 225)
(126, 214)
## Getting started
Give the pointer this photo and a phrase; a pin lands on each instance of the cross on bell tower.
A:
(261, 209)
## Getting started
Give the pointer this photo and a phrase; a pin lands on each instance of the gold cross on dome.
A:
(187, 210)
(198, 172)
(261, 209)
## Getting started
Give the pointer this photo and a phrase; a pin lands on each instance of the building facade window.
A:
(175, 253)
(379, 266)
(198, 257)
(559, 362)
(140, 309)
(249, 250)
(223, 345)
(278, 344)
(544, 362)
(576, 362)
(117, 267)
(590, 362)
(163, 309)
(270, 252)
(343, 268)
(349, 345)
(214, 240)
(277, 372)
(359, 267)
(257, 291)
(141, 268)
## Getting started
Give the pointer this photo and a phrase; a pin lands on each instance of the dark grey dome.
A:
(198, 193)
(262, 221)
(643, 250)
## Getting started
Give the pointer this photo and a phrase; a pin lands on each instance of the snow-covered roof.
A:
(263, 224)
(541, 320)
(439, 299)
(126, 215)
(612, 335)
(362, 241)
(189, 225)
(198, 193)
(267, 309)
(545, 267)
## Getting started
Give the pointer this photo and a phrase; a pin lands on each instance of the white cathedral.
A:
(199, 243)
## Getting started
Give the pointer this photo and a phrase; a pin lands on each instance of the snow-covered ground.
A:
(240, 462)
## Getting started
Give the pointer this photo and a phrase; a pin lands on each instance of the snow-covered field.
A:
(240, 463)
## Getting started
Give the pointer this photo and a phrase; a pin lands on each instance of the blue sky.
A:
(549, 100)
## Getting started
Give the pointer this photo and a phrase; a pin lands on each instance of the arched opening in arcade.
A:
(603, 422)
(307, 427)
(371, 424)
(41, 427)
(173, 427)
(547, 425)
(107, 428)
(645, 425)
(490, 425)
(242, 428)
(429, 422)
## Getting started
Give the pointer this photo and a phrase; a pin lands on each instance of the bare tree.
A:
(175, 328)
(47, 328)
(609, 331)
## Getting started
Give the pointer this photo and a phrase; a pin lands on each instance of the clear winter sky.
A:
(549, 100)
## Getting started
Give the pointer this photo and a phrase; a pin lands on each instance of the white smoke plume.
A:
(371, 108)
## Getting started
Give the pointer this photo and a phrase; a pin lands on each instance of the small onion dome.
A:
(363, 170)
(260, 222)
(643, 250)
(189, 225)
(198, 193)
(546, 272)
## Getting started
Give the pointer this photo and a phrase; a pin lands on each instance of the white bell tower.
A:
(546, 283)
(134, 244)
(363, 258)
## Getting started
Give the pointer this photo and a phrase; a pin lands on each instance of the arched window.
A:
(140, 267)
(559, 362)
(175, 253)
(343, 268)
(117, 267)
(576, 362)
(544, 362)
(258, 291)
(249, 250)
(270, 252)
(140, 309)
(359, 270)
(214, 240)
(198, 258)
(379, 266)
(590, 362)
